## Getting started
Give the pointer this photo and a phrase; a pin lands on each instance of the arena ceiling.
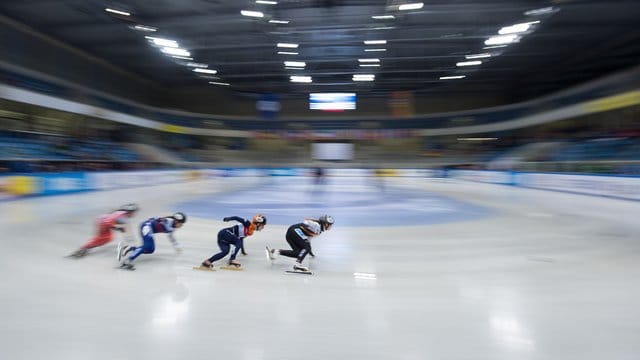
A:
(553, 45)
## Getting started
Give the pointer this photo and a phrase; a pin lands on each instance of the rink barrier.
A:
(619, 187)
(42, 184)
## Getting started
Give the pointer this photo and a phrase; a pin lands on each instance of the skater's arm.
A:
(174, 242)
(236, 218)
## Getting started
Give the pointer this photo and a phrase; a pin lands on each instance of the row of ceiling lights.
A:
(506, 35)
(172, 48)
(300, 65)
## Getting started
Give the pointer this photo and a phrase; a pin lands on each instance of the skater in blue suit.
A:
(166, 225)
(235, 235)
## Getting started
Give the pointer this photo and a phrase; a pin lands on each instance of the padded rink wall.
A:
(43, 184)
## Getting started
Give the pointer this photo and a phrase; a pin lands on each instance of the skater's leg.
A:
(224, 250)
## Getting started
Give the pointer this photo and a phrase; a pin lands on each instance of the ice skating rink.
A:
(413, 269)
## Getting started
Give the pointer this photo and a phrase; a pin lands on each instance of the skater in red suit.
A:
(115, 220)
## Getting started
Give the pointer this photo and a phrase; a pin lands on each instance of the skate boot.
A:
(127, 266)
(79, 253)
(206, 265)
(271, 253)
(119, 251)
(234, 263)
(298, 267)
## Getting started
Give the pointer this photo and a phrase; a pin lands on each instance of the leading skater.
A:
(235, 235)
(116, 220)
(299, 236)
(167, 225)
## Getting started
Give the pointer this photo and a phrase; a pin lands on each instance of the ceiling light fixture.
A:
(175, 51)
(411, 6)
(205, 71)
(287, 45)
(375, 42)
(119, 12)
(145, 28)
(469, 63)
(477, 56)
(300, 79)
(452, 77)
(501, 39)
(251, 13)
(295, 63)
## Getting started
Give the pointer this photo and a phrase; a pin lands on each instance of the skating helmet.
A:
(325, 221)
(130, 208)
(180, 217)
(259, 219)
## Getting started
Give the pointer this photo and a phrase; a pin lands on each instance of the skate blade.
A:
(203, 268)
(232, 268)
(299, 272)
(126, 268)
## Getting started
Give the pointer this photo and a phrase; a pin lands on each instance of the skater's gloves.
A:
(225, 219)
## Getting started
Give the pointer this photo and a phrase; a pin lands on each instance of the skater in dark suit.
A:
(299, 238)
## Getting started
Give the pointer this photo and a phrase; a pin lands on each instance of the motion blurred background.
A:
(547, 86)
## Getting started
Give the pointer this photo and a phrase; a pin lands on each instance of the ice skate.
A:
(233, 265)
(119, 250)
(300, 268)
(271, 253)
(127, 266)
(78, 253)
(205, 266)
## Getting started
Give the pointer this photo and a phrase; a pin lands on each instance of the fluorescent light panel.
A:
(369, 65)
(383, 17)
(300, 79)
(119, 12)
(205, 71)
(287, 45)
(279, 21)
(452, 77)
(251, 13)
(266, 2)
(411, 6)
(163, 42)
(469, 63)
(371, 50)
(375, 42)
(197, 65)
(295, 63)
(477, 56)
(501, 39)
(175, 51)
(369, 60)
(219, 83)
(517, 28)
(287, 53)
(145, 28)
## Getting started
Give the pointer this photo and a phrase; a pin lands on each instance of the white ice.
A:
(547, 276)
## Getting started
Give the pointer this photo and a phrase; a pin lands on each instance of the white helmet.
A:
(180, 217)
(325, 221)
